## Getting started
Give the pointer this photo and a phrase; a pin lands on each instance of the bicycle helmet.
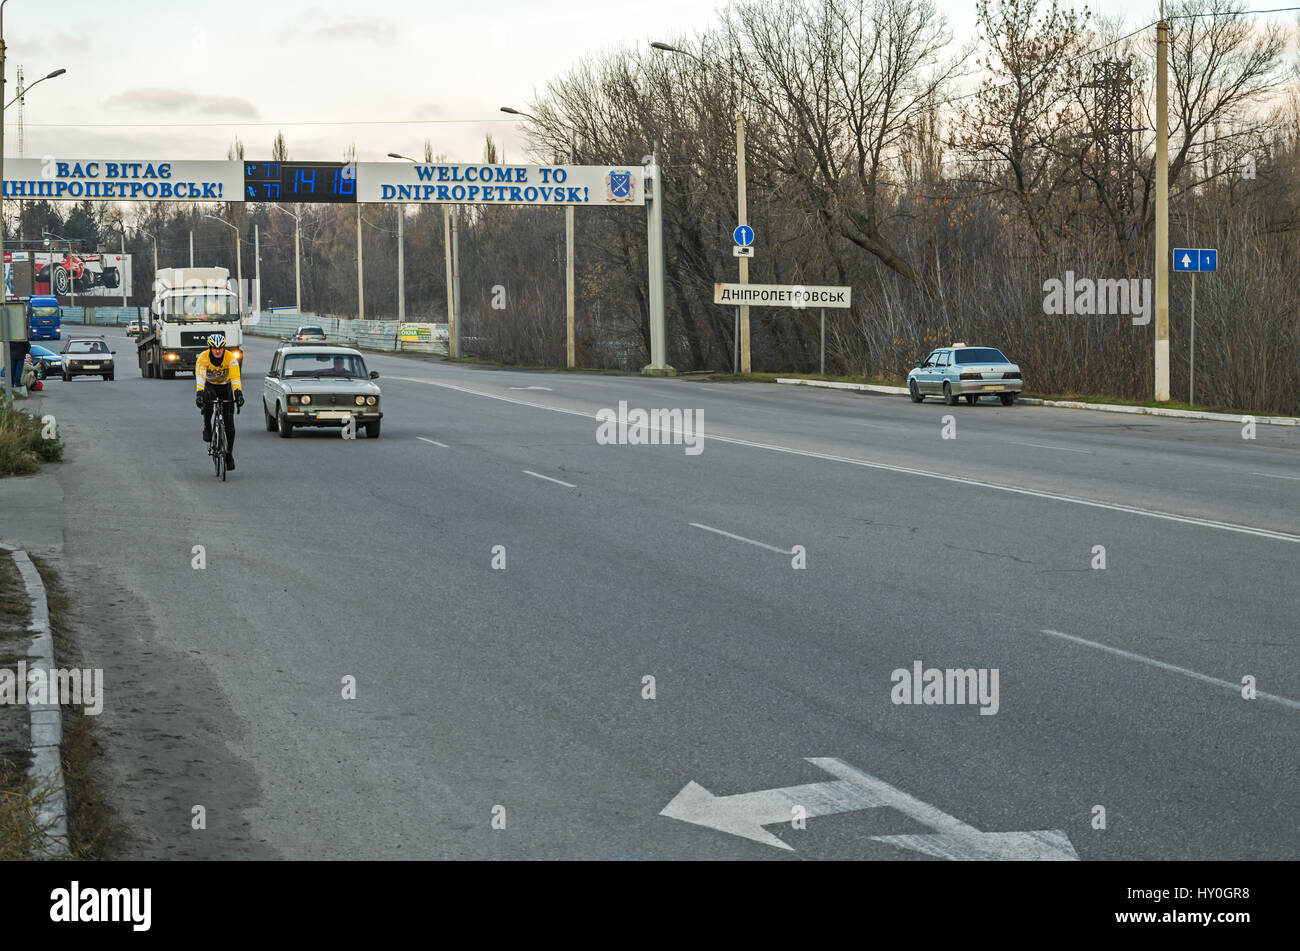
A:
(217, 341)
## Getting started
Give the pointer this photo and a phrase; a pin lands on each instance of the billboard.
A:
(102, 274)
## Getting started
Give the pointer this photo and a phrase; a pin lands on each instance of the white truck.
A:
(189, 303)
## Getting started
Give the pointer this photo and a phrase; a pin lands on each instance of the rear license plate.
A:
(997, 386)
(89, 366)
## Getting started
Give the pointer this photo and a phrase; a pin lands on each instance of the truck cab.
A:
(44, 318)
(189, 304)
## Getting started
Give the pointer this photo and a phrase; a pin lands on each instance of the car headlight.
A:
(371, 401)
(305, 400)
(361, 401)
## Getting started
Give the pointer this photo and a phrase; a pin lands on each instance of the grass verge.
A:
(94, 831)
(23, 446)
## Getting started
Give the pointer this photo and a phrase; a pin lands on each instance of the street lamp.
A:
(401, 250)
(742, 317)
(26, 89)
(570, 356)
(239, 260)
(451, 247)
(297, 257)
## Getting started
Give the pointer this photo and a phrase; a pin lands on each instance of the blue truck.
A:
(44, 318)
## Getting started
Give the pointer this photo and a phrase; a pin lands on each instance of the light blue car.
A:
(972, 372)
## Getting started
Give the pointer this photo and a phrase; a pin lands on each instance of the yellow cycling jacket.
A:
(226, 371)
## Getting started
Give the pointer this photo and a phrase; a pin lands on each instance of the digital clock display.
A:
(301, 182)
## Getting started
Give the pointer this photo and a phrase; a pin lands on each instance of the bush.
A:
(23, 447)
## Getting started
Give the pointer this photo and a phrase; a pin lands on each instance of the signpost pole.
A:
(744, 220)
(655, 232)
(1162, 213)
(568, 279)
(823, 341)
(257, 269)
(1191, 350)
(361, 283)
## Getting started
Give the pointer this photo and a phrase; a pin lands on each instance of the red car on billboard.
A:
(79, 273)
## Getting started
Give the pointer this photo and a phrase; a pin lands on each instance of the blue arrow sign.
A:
(743, 235)
(1209, 259)
(1187, 259)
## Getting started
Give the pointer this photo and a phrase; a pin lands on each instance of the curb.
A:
(46, 718)
(1069, 404)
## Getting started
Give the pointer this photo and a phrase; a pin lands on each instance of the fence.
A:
(369, 334)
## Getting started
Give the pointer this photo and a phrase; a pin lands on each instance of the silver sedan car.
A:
(972, 372)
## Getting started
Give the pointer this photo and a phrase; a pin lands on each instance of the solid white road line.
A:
(538, 475)
(1036, 445)
(1268, 476)
(741, 538)
(434, 441)
(1293, 704)
(907, 470)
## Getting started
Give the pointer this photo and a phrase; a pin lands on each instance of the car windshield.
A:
(324, 364)
(980, 355)
(87, 346)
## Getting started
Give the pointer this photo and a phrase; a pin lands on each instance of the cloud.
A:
(175, 100)
(373, 31)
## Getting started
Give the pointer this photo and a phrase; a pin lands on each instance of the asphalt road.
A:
(523, 688)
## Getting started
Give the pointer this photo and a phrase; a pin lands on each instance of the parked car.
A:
(86, 356)
(972, 372)
(47, 361)
(310, 333)
(317, 385)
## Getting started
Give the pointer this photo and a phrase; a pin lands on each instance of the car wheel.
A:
(1007, 398)
(948, 395)
(915, 391)
(270, 420)
(372, 430)
(282, 423)
(972, 398)
(108, 376)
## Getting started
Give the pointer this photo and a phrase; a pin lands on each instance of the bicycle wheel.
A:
(218, 449)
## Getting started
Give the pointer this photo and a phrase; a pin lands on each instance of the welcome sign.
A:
(369, 182)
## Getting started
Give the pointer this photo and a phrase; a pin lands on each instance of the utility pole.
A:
(655, 228)
(1162, 210)
(257, 269)
(571, 354)
(191, 248)
(401, 272)
(361, 285)
(453, 343)
(744, 220)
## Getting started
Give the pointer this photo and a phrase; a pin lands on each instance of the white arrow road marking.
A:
(746, 814)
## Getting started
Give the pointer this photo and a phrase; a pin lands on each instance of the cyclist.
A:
(216, 375)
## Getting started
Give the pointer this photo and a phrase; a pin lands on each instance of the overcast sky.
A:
(250, 67)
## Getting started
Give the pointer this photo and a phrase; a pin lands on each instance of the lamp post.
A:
(239, 260)
(568, 252)
(451, 245)
(742, 317)
(24, 90)
(297, 257)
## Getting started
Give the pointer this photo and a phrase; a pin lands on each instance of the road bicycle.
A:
(217, 448)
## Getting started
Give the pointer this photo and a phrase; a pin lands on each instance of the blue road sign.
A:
(1196, 259)
(743, 235)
